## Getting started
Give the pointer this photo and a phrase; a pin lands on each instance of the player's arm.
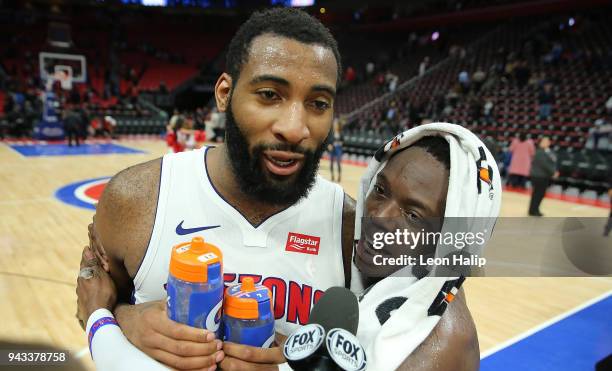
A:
(122, 229)
(452, 345)
(110, 350)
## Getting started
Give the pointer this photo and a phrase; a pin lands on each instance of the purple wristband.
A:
(96, 326)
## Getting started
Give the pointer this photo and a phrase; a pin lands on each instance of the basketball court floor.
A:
(47, 200)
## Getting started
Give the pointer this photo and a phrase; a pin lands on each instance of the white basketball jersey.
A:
(297, 253)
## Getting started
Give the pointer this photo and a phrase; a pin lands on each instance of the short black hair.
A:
(286, 22)
(437, 147)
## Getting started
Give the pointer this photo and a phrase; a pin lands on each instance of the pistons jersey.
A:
(296, 253)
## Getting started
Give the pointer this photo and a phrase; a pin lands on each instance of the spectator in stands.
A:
(370, 69)
(380, 81)
(554, 56)
(392, 111)
(476, 108)
(488, 108)
(543, 169)
(464, 81)
(423, 66)
(491, 79)
(546, 100)
(439, 104)
(391, 79)
(601, 129)
(416, 112)
(350, 75)
(479, 78)
(521, 73)
(522, 151)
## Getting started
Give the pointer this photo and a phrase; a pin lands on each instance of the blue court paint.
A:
(574, 343)
(37, 150)
(75, 193)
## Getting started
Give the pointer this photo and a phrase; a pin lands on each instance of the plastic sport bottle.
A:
(195, 285)
(247, 314)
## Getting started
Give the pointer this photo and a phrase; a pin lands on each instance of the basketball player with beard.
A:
(247, 196)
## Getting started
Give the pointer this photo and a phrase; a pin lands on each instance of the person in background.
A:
(464, 81)
(199, 128)
(335, 150)
(488, 109)
(72, 122)
(175, 116)
(423, 66)
(370, 68)
(109, 126)
(543, 169)
(170, 138)
(479, 78)
(522, 151)
(546, 100)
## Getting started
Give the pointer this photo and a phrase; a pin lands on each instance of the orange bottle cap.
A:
(190, 260)
(244, 301)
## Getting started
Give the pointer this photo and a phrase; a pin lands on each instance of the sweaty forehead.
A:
(272, 54)
(415, 173)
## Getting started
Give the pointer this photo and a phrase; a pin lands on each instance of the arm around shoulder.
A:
(452, 345)
(124, 220)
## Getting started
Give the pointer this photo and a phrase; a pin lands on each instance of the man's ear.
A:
(223, 89)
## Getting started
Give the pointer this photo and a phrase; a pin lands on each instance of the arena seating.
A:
(580, 86)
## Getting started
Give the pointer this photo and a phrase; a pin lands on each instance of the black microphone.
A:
(328, 341)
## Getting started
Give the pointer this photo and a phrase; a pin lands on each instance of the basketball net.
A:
(64, 79)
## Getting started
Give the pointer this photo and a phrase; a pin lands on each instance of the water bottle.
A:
(195, 285)
(247, 315)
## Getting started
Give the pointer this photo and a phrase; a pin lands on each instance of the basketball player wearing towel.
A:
(249, 197)
(429, 174)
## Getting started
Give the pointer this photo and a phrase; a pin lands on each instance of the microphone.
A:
(328, 341)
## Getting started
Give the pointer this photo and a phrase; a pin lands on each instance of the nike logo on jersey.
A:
(183, 231)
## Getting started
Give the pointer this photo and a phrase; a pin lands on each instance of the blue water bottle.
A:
(247, 315)
(195, 285)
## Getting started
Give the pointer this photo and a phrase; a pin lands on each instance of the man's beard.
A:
(246, 164)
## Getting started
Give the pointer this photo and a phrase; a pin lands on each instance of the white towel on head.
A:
(400, 311)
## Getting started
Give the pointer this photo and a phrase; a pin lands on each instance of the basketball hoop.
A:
(64, 78)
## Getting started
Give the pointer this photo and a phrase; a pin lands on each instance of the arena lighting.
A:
(571, 22)
(435, 36)
(322, 10)
(298, 3)
(154, 2)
